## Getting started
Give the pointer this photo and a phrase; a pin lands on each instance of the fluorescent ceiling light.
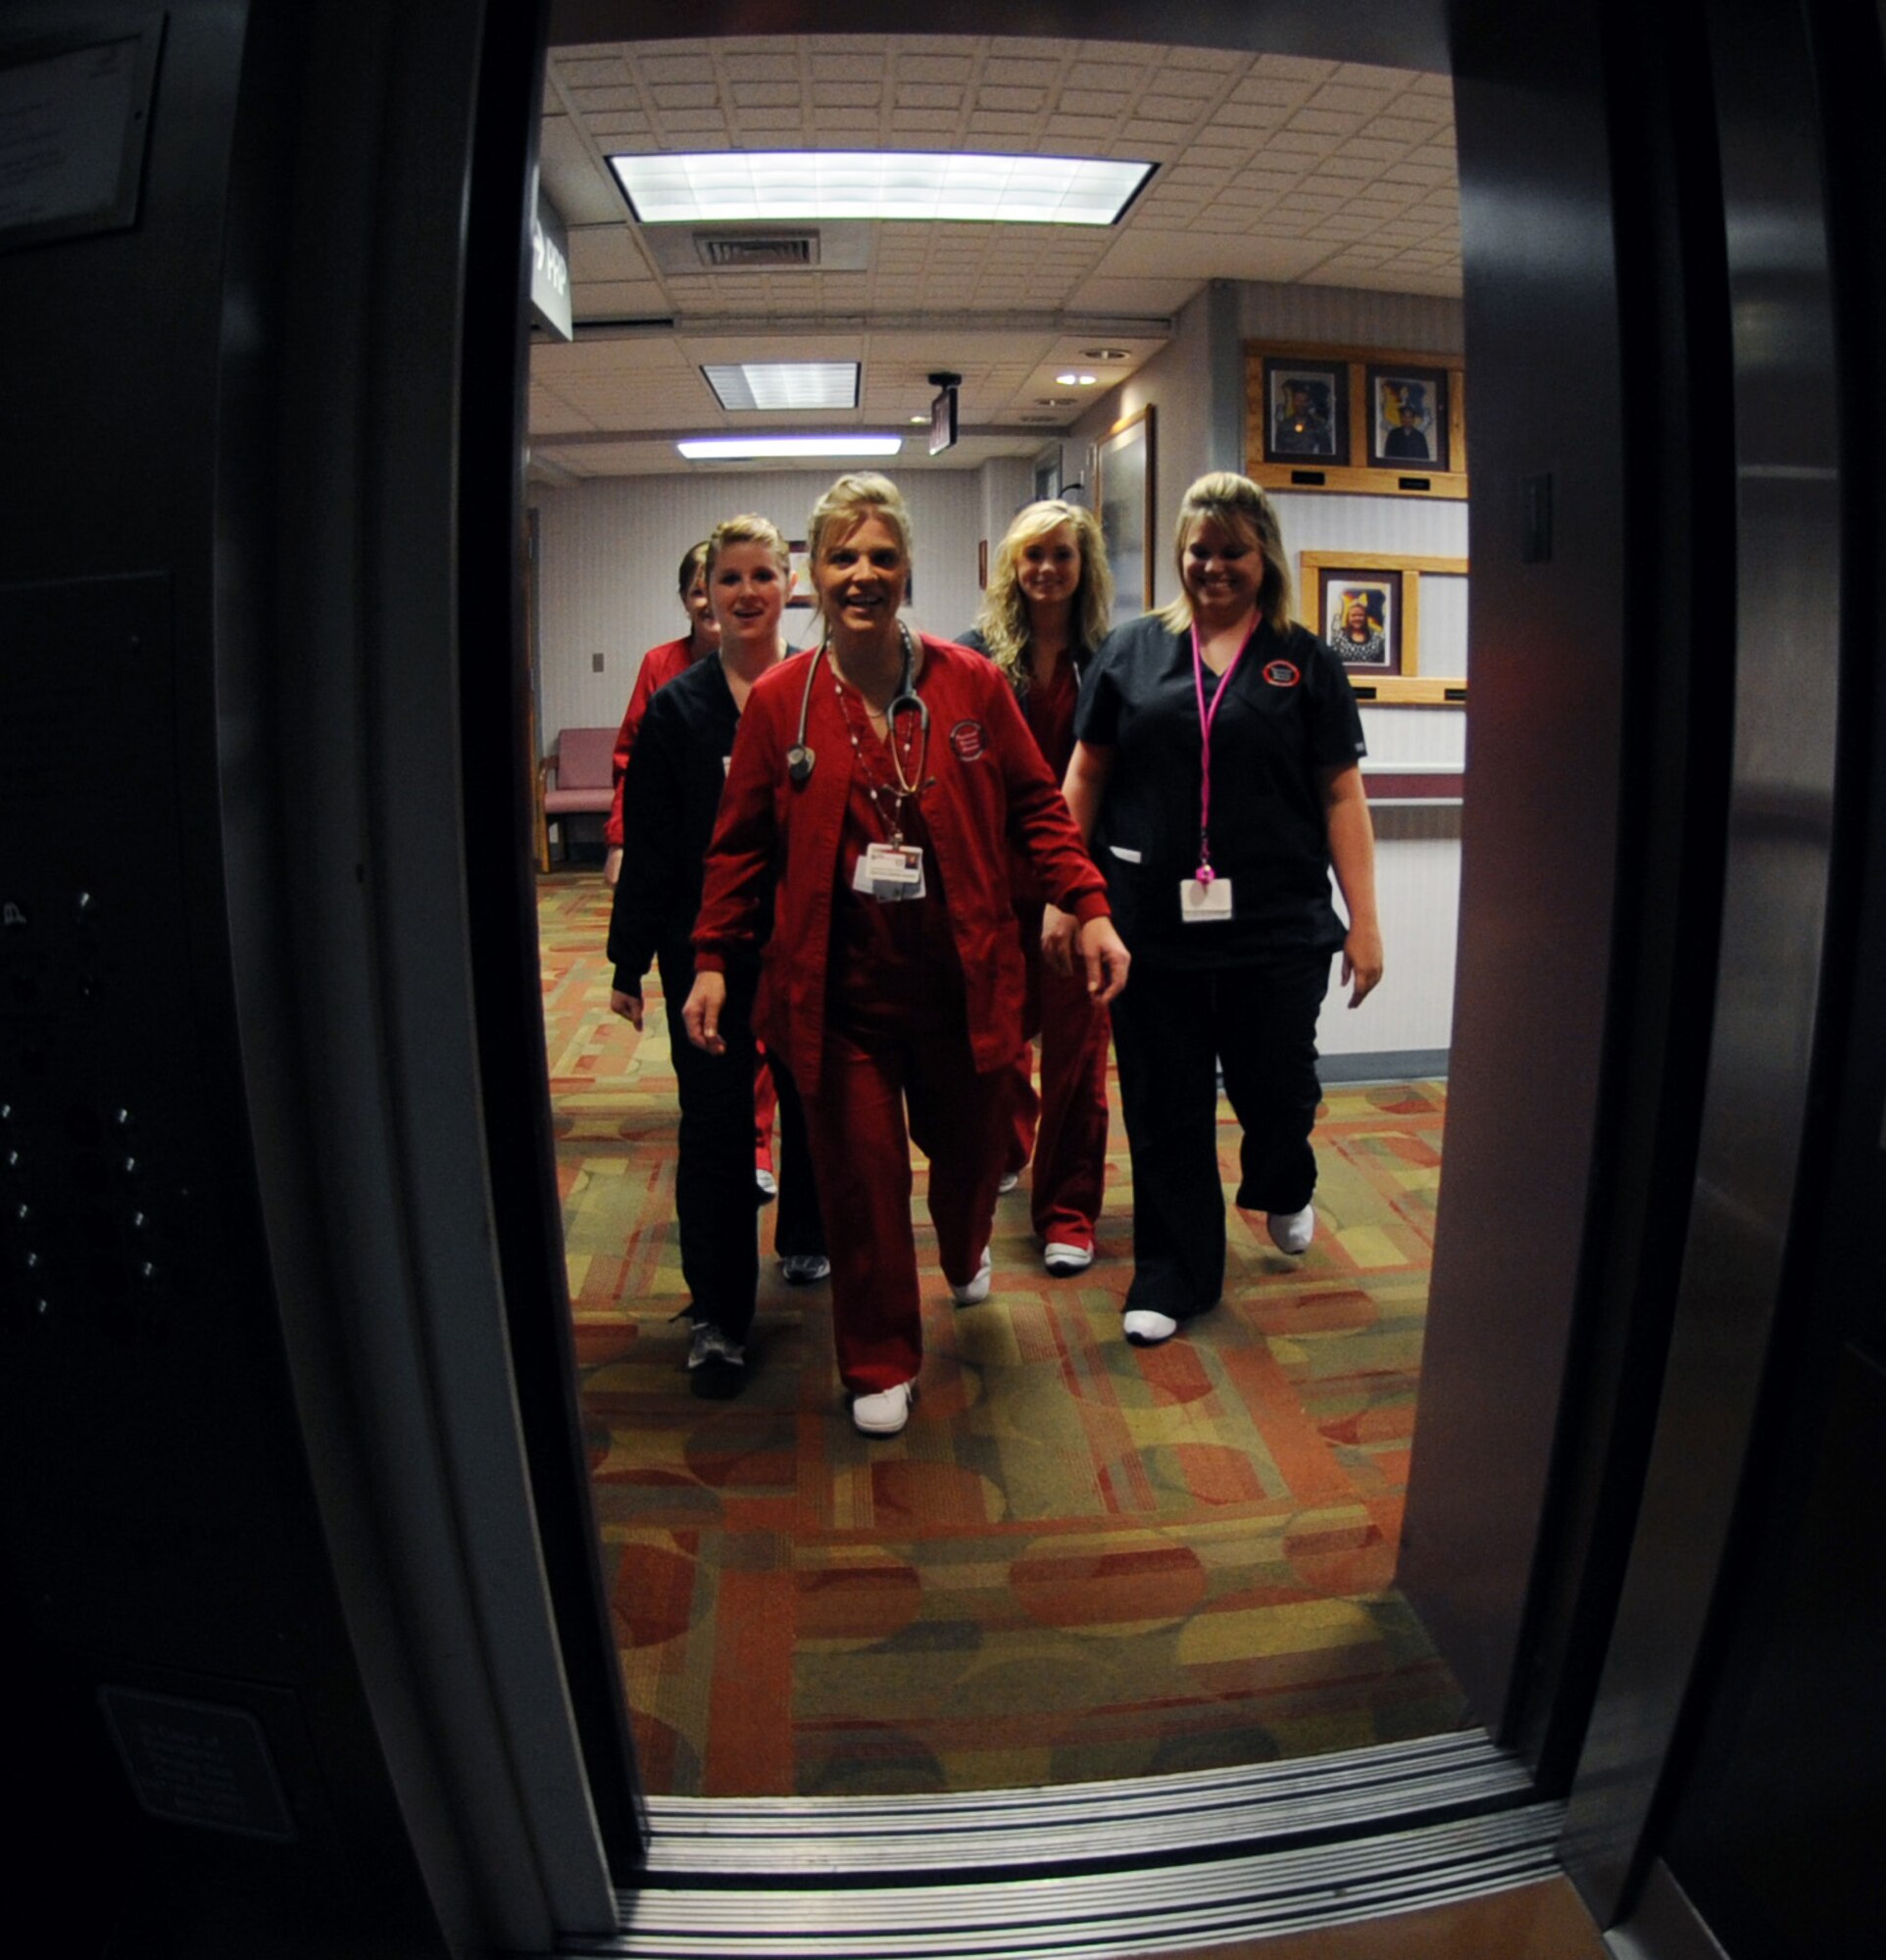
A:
(784, 384)
(732, 185)
(1073, 380)
(707, 448)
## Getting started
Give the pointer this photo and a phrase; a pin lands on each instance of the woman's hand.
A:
(612, 871)
(701, 1015)
(628, 1005)
(1361, 961)
(1058, 933)
(1106, 957)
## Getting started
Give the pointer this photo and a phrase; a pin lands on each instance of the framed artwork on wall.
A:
(1366, 607)
(1124, 493)
(1358, 614)
(801, 594)
(1306, 409)
(1408, 416)
(1364, 420)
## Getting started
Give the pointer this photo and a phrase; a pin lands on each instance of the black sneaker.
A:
(716, 1368)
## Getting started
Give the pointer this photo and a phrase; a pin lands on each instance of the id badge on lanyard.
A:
(1205, 897)
(889, 872)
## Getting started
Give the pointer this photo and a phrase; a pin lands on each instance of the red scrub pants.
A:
(1064, 1126)
(860, 1155)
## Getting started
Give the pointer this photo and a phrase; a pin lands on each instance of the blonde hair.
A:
(861, 494)
(746, 530)
(1238, 506)
(1004, 621)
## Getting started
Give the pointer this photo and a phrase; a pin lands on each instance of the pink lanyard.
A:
(1207, 716)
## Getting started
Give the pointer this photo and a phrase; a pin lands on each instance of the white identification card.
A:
(889, 872)
(1200, 903)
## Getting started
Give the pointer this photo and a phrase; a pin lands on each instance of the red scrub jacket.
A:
(659, 665)
(775, 847)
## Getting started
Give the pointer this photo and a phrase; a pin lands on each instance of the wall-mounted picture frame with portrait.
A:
(1306, 410)
(1358, 615)
(1362, 420)
(1124, 486)
(1406, 417)
(1365, 607)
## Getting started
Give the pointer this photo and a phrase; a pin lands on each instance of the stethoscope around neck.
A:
(800, 758)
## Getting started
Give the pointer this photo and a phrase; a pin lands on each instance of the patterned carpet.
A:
(1081, 1560)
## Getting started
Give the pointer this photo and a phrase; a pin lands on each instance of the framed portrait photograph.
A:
(801, 594)
(1357, 422)
(1368, 609)
(1408, 417)
(1359, 617)
(1306, 409)
(1123, 489)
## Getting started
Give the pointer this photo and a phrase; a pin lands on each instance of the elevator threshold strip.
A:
(1136, 1818)
(1110, 1915)
(1087, 1871)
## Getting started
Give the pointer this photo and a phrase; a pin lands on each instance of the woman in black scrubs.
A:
(1216, 773)
(671, 795)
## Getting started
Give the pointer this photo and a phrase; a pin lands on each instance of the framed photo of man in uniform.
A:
(1358, 422)
(1407, 418)
(1306, 410)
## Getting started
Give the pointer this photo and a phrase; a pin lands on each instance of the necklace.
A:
(908, 781)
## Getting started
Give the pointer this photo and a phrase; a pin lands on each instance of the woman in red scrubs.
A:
(1049, 603)
(876, 790)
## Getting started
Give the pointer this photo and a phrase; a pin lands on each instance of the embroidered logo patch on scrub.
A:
(969, 741)
(1283, 673)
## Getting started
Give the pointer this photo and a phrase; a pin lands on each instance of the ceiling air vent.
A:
(756, 250)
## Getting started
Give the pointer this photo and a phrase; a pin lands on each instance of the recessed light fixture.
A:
(1073, 380)
(735, 185)
(712, 448)
(784, 384)
(923, 420)
(1054, 400)
(1105, 354)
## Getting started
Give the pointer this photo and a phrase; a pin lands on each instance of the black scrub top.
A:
(1290, 715)
(671, 797)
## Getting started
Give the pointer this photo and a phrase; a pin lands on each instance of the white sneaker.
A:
(972, 1292)
(1063, 1260)
(885, 1413)
(803, 1269)
(1146, 1329)
(1007, 1182)
(1292, 1231)
(766, 1185)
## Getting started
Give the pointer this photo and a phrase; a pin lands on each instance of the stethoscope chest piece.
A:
(799, 761)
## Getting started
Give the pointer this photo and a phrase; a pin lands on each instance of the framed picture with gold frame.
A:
(1365, 607)
(1366, 420)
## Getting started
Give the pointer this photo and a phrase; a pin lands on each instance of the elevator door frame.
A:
(431, 868)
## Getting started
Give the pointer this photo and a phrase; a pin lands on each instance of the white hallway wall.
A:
(609, 549)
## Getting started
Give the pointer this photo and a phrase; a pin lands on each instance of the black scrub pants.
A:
(716, 1200)
(1172, 1031)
